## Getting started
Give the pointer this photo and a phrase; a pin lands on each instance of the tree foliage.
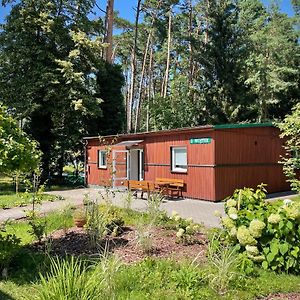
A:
(51, 57)
(227, 61)
(290, 130)
(18, 153)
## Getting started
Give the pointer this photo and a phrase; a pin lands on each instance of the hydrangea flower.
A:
(253, 250)
(177, 218)
(244, 237)
(233, 216)
(232, 213)
(287, 201)
(274, 218)
(227, 223)
(292, 212)
(190, 220)
(231, 203)
(232, 210)
(180, 232)
(233, 232)
(256, 227)
(196, 227)
(257, 258)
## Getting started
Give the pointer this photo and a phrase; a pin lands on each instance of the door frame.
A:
(114, 178)
(140, 163)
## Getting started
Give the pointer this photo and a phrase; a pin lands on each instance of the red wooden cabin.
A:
(212, 160)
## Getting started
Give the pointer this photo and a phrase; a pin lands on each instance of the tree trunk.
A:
(166, 81)
(206, 22)
(109, 29)
(150, 83)
(133, 68)
(191, 57)
(139, 95)
(17, 182)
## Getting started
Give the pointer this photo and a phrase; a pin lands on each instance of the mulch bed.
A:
(75, 242)
(289, 296)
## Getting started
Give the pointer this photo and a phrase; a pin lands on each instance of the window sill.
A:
(179, 171)
(102, 168)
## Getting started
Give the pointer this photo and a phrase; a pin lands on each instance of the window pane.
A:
(103, 158)
(180, 158)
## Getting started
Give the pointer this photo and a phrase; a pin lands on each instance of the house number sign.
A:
(206, 140)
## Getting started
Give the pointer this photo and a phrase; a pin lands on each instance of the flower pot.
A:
(79, 222)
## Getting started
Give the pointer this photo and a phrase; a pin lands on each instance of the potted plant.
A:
(79, 218)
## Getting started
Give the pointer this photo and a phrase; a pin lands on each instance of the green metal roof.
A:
(243, 125)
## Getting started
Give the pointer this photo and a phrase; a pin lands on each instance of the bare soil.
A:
(289, 296)
(76, 242)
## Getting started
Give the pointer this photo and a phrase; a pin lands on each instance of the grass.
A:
(165, 279)
(54, 221)
(280, 201)
(15, 200)
(150, 279)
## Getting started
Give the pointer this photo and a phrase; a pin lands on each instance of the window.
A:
(102, 164)
(179, 159)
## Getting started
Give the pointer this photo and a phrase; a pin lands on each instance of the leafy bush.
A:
(185, 229)
(9, 246)
(113, 220)
(290, 130)
(268, 233)
(38, 225)
(102, 220)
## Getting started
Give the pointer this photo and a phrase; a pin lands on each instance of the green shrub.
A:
(186, 229)
(268, 233)
(9, 246)
(112, 219)
(38, 225)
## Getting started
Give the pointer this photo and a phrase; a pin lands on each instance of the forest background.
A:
(71, 68)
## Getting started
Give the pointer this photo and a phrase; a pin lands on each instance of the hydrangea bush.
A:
(186, 229)
(268, 233)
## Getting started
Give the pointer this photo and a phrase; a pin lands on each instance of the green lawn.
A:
(21, 199)
(149, 279)
(162, 279)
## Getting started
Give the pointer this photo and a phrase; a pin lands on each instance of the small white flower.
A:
(190, 220)
(233, 216)
(287, 201)
(233, 232)
(177, 218)
(180, 232)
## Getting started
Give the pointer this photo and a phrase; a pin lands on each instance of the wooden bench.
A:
(170, 187)
(141, 186)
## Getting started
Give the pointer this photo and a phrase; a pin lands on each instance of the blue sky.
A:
(125, 8)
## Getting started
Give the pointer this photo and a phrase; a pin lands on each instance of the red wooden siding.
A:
(199, 178)
(246, 157)
(235, 158)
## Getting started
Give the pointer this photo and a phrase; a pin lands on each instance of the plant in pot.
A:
(79, 218)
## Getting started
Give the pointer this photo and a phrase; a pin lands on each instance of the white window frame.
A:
(100, 155)
(173, 167)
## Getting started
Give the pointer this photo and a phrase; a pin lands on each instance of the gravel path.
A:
(200, 211)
